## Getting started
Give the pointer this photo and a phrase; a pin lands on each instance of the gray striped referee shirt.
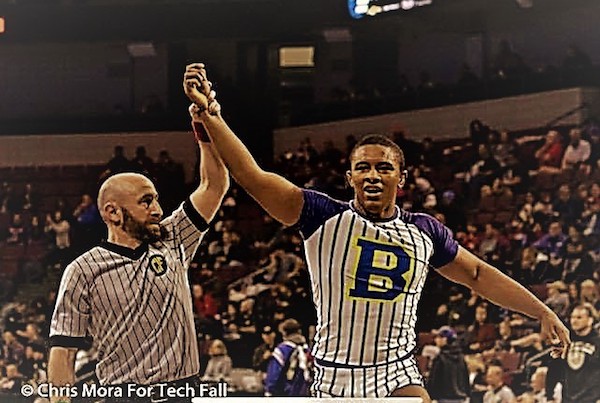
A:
(135, 305)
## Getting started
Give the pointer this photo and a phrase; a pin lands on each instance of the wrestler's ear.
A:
(403, 177)
(349, 180)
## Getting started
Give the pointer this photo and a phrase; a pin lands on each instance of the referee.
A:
(129, 296)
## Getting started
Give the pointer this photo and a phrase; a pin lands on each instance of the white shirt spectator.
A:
(576, 154)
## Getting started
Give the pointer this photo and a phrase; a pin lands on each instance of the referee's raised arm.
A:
(279, 197)
(214, 176)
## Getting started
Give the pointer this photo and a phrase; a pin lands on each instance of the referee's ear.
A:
(112, 213)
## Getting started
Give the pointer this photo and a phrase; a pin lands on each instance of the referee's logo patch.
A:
(158, 265)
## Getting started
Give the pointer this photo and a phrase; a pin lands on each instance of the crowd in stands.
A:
(537, 219)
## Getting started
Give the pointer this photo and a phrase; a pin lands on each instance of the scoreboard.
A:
(370, 8)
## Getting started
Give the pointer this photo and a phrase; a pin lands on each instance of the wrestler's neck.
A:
(385, 213)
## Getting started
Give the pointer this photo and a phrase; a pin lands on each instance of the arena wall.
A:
(512, 113)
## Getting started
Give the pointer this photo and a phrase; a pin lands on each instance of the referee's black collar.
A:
(134, 254)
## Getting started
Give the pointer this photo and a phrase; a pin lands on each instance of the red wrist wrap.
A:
(200, 132)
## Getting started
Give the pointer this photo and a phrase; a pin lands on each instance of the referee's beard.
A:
(141, 230)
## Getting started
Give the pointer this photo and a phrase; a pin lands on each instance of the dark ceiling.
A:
(279, 20)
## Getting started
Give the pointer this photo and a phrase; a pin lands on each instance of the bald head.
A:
(120, 187)
(115, 187)
(129, 206)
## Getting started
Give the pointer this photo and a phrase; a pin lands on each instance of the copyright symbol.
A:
(27, 390)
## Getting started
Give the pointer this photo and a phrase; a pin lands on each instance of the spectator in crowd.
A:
(247, 320)
(263, 353)
(558, 298)
(549, 155)
(430, 154)
(60, 230)
(411, 148)
(87, 222)
(504, 151)
(9, 201)
(478, 132)
(118, 163)
(503, 343)
(470, 307)
(451, 207)
(13, 380)
(449, 376)
(233, 249)
(477, 381)
(482, 334)
(331, 155)
(12, 351)
(498, 391)
(543, 210)
(594, 194)
(579, 264)
(205, 308)
(13, 315)
(31, 335)
(537, 384)
(567, 208)
(86, 212)
(589, 293)
(577, 153)
(219, 365)
(483, 171)
(17, 232)
(35, 231)
(574, 294)
(550, 249)
(492, 245)
(582, 364)
(33, 365)
(142, 163)
(590, 219)
(30, 199)
(526, 209)
(289, 370)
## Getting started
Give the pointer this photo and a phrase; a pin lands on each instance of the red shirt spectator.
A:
(481, 334)
(549, 155)
(205, 306)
